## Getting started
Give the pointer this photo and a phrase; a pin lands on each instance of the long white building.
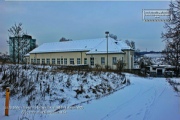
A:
(88, 51)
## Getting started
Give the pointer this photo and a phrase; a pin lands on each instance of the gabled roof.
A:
(90, 45)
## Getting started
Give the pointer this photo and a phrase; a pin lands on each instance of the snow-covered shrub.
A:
(68, 83)
(174, 84)
(62, 100)
(84, 81)
(120, 65)
(98, 67)
(48, 89)
(95, 73)
(84, 75)
(30, 88)
(79, 91)
(128, 82)
(4, 76)
(108, 67)
(37, 76)
(175, 88)
(42, 88)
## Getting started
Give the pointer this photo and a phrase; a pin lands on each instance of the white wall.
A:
(97, 58)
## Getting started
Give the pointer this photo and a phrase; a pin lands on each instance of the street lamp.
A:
(107, 33)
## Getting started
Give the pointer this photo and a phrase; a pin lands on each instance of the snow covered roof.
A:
(90, 45)
(162, 66)
(26, 55)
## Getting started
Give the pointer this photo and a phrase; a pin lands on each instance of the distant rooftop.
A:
(89, 45)
(23, 36)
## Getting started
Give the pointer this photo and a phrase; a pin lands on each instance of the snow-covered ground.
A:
(154, 55)
(144, 99)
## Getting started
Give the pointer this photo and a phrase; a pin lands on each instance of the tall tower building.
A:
(19, 46)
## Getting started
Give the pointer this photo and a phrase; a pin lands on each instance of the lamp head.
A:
(107, 32)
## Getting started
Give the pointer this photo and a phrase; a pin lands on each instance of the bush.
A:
(97, 66)
(4, 77)
(108, 67)
(128, 82)
(30, 89)
(174, 84)
(175, 88)
(120, 65)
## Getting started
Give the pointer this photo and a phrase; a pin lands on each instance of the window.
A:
(71, 60)
(78, 61)
(92, 61)
(43, 61)
(58, 61)
(65, 61)
(38, 61)
(34, 60)
(31, 60)
(154, 68)
(122, 59)
(61, 61)
(102, 60)
(53, 61)
(114, 60)
(47, 61)
(85, 61)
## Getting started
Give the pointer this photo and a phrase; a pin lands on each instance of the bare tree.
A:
(63, 39)
(172, 37)
(120, 65)
(145, 61)
(4, 58)
(130, 44)
(113, 36)
(18, 43)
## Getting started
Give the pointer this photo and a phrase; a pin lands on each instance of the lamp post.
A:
(107, 33)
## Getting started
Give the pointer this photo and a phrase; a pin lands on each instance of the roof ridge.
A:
(98, 44)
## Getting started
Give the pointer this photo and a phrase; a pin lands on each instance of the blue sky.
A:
(49, 21)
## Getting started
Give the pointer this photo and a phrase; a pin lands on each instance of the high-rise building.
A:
(19, 46)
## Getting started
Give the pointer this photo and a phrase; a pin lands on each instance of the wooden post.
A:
(7, 101)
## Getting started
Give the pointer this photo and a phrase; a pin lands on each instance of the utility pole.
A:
(107, 33)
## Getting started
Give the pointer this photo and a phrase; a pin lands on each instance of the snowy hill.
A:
(32, 87)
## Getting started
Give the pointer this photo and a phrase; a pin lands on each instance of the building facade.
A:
(90, 52)
(19, 46)
(160, 70)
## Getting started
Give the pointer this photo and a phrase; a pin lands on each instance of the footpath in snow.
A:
(144, 99)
